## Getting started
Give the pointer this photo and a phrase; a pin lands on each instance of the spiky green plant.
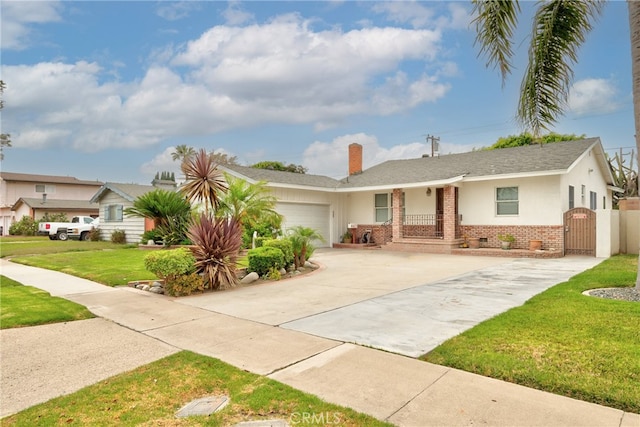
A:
(203, 180)
(301, 239)
(217, 243)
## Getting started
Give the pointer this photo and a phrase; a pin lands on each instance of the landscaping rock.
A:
(157, 285)
(307, 264)
(283, 271)
(157, 290)
(146, 287)
(250, 278)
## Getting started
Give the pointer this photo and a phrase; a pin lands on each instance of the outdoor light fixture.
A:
(428, 191)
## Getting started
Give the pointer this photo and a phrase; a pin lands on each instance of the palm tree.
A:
(301, 239)
(247, 203)
(560, 27)
(183, 152)
(204, 182)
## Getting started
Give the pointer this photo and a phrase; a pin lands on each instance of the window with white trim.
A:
(113, 213)
(383, 205)
(572, 201)
(44, 188)
(507, 201)
(593, 200)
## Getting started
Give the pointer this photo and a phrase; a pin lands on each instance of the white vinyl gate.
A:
(307, 215)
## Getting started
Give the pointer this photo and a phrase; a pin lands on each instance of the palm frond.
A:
(559, 29)
(495, 22)
(203, 180)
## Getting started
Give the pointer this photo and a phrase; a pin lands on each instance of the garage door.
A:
(312, 216)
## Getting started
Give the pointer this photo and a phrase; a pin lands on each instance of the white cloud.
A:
(235, 15)
(173, 11)
(163, 162)
(281, 72)
(331, 158)
(417, 15)
(18, 18)
(593, 96)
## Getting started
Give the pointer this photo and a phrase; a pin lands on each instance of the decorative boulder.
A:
(250, 278)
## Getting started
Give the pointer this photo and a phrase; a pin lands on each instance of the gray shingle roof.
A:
(551, 157)
(127, 191)
(36, 203)
(280, 177)
(45, 179)
(557, 156)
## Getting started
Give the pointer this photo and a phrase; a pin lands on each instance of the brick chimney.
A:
(355, 158)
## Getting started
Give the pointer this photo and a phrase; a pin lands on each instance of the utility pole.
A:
(435, 146)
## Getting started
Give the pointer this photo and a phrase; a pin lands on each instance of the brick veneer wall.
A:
(381, 233)
(552, 236)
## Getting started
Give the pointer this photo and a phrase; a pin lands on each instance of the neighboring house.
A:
(560, 193)
(113, 198)
(35, 195)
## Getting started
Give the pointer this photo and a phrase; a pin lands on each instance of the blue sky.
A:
(106, 89)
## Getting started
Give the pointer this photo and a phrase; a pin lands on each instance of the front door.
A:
(439, 212)
(580, 232)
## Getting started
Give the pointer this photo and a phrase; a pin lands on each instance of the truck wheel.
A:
(85, 236)
(62, 235)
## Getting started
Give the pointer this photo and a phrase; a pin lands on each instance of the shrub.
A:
(169, 264)
(118, 236)
(274, 274)
(25, 227)
(94, 235)
(261, 260)
(184, 284)
(260, 241)
(285, 246)
(151, 235)
(217, 243)
(54, 217)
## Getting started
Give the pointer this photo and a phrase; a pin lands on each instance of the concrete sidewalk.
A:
(402, 390)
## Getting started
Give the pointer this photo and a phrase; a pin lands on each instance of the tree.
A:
(279, 166)
(169, 211)
(183, 152)
(5, 138)
(527, 139)
(252, 205)
(560, 27)
(301, 239)
(204, 182)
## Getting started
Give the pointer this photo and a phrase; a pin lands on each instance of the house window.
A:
(593, 200)
(43, 188)
(572, 202)
(383, 204)
(113, 213)
(507, 201)
(583, 191)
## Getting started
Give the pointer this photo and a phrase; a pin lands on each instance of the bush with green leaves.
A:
(184, 285)
(151, 235)
(169, 264)
(54, 217)
(25, 227)
(118, 236)
(261, 260)
(285, 245)
(94, 235)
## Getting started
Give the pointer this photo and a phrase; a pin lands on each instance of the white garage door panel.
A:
(312, 216)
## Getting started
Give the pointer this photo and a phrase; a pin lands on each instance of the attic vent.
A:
(425, 156)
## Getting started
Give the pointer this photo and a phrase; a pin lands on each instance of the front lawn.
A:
(151, 395)
(35, 245)
(562, 341)
(27, 306)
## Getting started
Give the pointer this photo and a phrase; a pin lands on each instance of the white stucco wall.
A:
(607, 233)
(538, 197)
(586, 172)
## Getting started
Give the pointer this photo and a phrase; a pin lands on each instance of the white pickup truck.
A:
(83, 231)
(60, 230)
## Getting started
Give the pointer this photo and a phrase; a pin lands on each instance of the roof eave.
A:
(449, 181)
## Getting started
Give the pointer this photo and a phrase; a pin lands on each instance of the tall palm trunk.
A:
(634, 26)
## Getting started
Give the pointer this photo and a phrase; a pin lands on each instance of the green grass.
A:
(36, 245)
(27, 306)
(562, 341)
(113, 267)
(151, 394)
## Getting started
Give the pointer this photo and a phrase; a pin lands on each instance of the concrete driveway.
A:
(399, 302)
